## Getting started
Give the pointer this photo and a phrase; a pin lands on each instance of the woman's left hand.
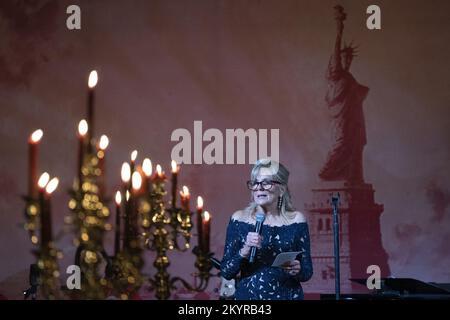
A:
(294, 268)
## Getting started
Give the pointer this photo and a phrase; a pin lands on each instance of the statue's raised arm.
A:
(335, 67)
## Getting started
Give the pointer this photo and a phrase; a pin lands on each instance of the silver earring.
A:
(280, 203)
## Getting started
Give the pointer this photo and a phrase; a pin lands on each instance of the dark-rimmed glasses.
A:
(265, 184)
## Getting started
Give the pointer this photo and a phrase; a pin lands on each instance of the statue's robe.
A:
(345, 98)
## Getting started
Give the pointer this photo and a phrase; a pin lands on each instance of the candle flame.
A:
(136, 180)
(118, 198)
(52, 185)
(127, 195)
(199, 202)
(125, 173)
(43, 180)
(82, 127)
(36, 136)
(134, 155)
(185, 191)
(104, 142)
(158, 170)
(93, 78)
(147, 167)
(206, 216)
(174, 166)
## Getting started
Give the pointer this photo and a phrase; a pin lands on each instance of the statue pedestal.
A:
(360, 236)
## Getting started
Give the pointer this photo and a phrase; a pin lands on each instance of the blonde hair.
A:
(281, 175)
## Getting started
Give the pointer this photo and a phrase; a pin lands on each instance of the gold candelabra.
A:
(89, 220)
(44, 274)
(149, 223)
(164, 224)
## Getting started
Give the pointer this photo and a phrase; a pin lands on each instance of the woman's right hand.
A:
(253, 239)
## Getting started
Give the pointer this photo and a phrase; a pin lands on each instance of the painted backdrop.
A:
(231, 64)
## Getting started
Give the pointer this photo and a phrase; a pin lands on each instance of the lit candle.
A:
(147, 168)
(136, 182)
(117, 233)
(133, 157)
(159, 174)
(102, 145)
(199, 223)
(175, 169)
(184, 194)
(125, 174)
(82, 130)
(42, 183)
(92, 82)
(206, 230)
(33, 142)
(46, 217)
(131, 222)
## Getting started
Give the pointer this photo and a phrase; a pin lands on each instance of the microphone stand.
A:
(335, 203)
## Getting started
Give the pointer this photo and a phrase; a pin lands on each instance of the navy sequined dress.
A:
(259, 280)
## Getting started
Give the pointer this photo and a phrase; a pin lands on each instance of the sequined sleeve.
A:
(304, 257)
(231, 262)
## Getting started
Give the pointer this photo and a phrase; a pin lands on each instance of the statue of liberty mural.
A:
(345, 98)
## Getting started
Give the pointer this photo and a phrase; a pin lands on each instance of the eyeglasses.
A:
(265, 184)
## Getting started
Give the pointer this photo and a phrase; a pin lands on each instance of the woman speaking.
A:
(283, 230)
